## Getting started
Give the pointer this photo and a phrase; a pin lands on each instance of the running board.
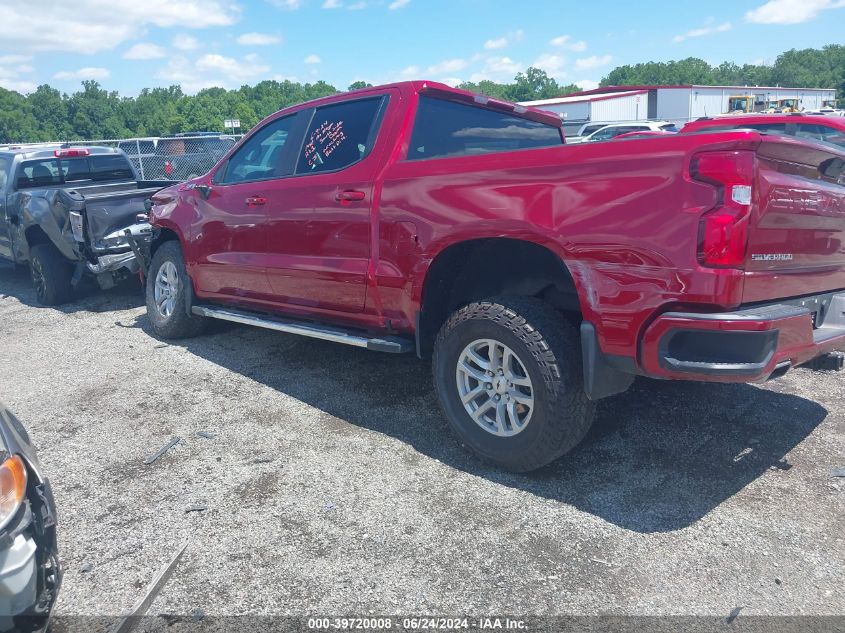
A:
(391, 344)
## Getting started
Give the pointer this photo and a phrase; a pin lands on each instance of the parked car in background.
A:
(827, 129)
(642, 134)
(30, 575)
(186, 156)
(539, 277)
(142, 154)
(584, 130)
(613, 130)
(65, 211)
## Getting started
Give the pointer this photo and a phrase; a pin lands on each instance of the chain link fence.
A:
(174, 158)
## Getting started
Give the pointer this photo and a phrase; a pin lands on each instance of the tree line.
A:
(95, 113)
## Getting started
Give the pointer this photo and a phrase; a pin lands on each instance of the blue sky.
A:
(127, 46)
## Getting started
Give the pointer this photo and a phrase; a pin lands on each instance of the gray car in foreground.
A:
(29, 566)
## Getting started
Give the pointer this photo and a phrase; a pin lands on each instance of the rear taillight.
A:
(723, 231)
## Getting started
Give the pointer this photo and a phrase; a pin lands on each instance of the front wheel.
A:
(168, 288)
(509, 378)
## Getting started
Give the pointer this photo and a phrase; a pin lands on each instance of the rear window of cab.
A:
(446, 129)
(56, 171)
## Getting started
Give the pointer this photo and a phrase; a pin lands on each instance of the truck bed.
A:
(111, 207)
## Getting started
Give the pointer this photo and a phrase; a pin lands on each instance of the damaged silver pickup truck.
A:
(65, 211)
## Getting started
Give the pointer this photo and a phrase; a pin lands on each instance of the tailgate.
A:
(107, 213)
(796, 242)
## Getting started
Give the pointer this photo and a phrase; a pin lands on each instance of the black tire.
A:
(178, 323)
(51, 275)
(549, 349)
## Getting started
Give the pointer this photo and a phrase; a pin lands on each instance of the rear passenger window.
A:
(340, 135)
(54, 171)
(4, 171)
(821, 133)
(772, 128)
(445, 129)
(40, 173)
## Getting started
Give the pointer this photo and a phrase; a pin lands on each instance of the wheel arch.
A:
(469, 270)
(167, 232)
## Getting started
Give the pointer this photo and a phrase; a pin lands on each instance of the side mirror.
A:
(205, 190)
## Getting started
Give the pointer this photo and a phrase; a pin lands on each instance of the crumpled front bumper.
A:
(747, 345)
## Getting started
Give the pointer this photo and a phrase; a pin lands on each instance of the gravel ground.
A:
(333, 486)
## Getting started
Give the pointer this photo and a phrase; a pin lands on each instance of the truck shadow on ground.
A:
(88, 297)
(658, 458)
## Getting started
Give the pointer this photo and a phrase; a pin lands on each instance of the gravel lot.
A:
(333, 486)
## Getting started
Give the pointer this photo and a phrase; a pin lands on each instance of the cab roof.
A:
(48, 151)
(442, 91)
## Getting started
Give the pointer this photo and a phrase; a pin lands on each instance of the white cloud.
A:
(313, 59)
(89, 72)
(410, 72)
(258, 39)
(91, 26)
(587, 84)
(565, 41)
(502, 42)
(398, 4)
(594, 61)
(144, 50)
(22, 86)
(11, 68)
(237, 70)
(213, 70)
(185, 42)
(447, 66)
(791, 11)
(287, 4)
(553, 65)
(498, 69)
(180, 70)
(332, 4)
(705, 30)
(10, 60)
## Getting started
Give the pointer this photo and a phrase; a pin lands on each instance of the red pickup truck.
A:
(539, 277)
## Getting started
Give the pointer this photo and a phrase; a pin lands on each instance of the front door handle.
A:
(350, 196)
(255, 201)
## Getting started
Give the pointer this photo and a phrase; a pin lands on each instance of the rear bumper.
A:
(106, 262)
(748, 345)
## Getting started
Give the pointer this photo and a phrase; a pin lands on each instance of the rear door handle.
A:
(350, 196)
(254, 201)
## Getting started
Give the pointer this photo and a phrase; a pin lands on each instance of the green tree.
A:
(49, 107)
(94, 113)
(17, 122)
(357, 85)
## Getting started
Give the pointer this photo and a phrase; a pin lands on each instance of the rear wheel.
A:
(509, 378)
(51, 275)
(168, 288)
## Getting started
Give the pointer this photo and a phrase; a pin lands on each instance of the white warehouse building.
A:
(677, 104)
